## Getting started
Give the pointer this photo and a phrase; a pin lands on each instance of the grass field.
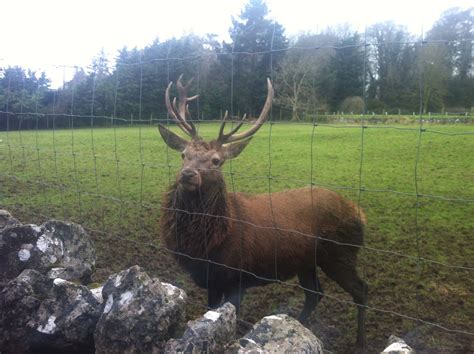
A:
(416, 188)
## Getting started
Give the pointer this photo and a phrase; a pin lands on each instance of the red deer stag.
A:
(214, 234)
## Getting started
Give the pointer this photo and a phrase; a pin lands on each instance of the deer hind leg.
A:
(313, 293)
(346, 276)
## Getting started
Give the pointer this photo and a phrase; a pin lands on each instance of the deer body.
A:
(261, 226)
(229, 242)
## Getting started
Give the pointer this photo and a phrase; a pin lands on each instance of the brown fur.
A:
(272, 236)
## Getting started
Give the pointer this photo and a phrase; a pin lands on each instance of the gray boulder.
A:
(19, 300)
(139, 313)
(42, 314)
(63, 249)
(278, 334)
(208, 334)
(66, 320)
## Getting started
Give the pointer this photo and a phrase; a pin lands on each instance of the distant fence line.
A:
(10, 121)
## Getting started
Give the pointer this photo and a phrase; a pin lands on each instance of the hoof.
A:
(304, 320)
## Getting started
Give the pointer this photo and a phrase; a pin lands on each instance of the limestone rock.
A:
(38, 314)
(139, 313)
(66, 320)
(64, 249)
(397, 345)
(278, 333)
(208, 334)
(19, 301)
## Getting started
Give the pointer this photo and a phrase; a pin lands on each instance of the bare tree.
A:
(436, 73)
(297, 73)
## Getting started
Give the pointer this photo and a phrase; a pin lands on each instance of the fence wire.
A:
(42, 176)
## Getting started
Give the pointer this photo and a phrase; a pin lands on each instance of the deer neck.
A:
(199, 219)
(211, 201)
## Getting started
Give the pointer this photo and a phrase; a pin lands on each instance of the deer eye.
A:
(216, 161)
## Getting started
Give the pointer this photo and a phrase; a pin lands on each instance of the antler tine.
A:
(223, 138)
(183, 124)
(183, 110)
(179, 110)
(184, 88)
(172, 109)
(221, 129)
(231, 136)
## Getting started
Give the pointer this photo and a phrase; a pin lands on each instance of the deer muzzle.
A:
(189, 179)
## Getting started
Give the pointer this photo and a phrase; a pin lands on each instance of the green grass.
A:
(417, 192)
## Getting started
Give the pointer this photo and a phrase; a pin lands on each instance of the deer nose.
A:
(188, 173)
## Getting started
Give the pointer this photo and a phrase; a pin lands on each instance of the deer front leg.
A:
(214, 296)
(234, 296)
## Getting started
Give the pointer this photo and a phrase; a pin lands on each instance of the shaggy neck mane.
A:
(196, 222)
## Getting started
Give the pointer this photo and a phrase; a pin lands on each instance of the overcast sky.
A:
(40, 34)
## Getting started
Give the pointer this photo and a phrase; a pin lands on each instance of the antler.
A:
(179, 111)
(232, 136)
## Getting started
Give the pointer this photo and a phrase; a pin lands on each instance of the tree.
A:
(299, 71)
(393, 66)
(102, 87)
(22, 91)
(255, 50)
(344, 76)
(436, 75)
(293, 83)
(456, 26)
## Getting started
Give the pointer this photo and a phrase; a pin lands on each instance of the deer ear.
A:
(234, 149)
(171, 139)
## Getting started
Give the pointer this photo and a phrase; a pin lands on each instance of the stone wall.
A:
(48, 305)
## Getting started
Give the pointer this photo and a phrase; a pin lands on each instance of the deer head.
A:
(202, 160)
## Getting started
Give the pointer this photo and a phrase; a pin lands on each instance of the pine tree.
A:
(255, 51)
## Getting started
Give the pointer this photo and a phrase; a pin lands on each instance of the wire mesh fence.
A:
(107, 169)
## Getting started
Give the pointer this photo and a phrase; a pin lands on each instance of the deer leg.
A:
(346, 276)
(313, 293)
(235, 296)
(214, 296)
